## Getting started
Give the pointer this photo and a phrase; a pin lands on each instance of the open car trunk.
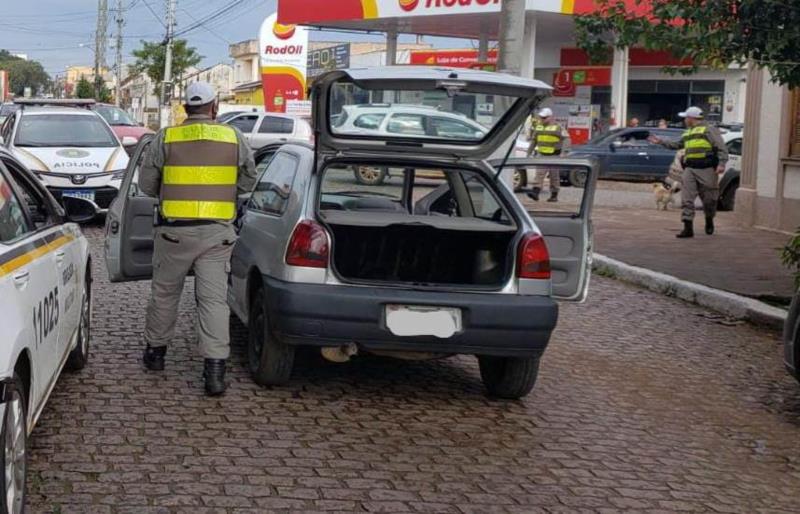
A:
(400, 248)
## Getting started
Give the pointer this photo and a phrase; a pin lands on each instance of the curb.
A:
(730, 304)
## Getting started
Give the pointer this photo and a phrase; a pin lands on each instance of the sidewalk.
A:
(735, 259)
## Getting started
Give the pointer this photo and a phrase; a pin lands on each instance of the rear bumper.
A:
(324, 315)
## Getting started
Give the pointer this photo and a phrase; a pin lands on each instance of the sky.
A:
(60, 33)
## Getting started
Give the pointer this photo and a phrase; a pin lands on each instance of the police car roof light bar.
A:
(60, 102)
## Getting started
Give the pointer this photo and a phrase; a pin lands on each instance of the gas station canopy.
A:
(470, 19)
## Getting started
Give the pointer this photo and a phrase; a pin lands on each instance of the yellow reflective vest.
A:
(549, 139)
(200, 172)
(700, 151)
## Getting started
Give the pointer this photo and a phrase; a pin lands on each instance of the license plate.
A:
(83, 194)
(411, 320)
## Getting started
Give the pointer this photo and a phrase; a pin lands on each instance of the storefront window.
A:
(794, 137)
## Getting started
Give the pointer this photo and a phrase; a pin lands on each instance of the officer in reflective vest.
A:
(705, 158)
(197, 170)
(549, 139)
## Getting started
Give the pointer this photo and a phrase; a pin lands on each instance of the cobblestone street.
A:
(643, 403)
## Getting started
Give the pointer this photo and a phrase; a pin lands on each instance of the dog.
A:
(664, 196)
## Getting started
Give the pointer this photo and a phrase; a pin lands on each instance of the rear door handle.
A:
(22, 278)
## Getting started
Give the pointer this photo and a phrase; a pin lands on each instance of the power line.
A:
(212, 16)
(153, 12)
(208, 29)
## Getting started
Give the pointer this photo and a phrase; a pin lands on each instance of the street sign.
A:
(328, 59)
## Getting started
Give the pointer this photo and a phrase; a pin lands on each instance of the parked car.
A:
(791, 338)
(72, 150)
(126, 129)
(6, 109)
(225, 117)
(262, 129)
(729, 181)
(407, 269)
(45, 310)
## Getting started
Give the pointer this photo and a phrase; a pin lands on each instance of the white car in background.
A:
(72, 150)
(262, 129)
(45, 310)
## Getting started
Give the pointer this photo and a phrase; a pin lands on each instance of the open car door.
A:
(130, 224)
(567, 224)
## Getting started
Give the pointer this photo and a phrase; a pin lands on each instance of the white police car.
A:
(71, 149)
(45, 310)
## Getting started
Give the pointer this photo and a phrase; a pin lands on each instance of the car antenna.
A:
(514, 143)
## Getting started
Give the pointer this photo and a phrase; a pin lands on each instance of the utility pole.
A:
(100, 41)
(166, 86)
(120, 23)
(512, 34)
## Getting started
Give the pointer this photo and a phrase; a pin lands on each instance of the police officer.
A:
(197, 170)
(705, 158)
(549, 139)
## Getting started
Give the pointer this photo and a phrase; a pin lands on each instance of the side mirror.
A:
(129, 141)
(79, 210)
(614, 145)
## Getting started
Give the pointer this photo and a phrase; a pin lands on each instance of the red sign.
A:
(636, 57)
(452, 58)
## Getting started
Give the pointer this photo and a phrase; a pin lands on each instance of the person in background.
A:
(662, 123)
(548, 139)
(705, 158)
(633, 123)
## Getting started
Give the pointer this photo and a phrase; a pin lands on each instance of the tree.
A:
(23, 73)
(150, 59)
(84, 89)
(709, 33)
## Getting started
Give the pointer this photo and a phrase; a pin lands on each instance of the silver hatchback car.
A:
(441, 259)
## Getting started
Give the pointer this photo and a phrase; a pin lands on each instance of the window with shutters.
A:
(794, 136)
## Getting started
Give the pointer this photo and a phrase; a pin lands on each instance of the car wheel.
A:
(520, 179)
(577, 178)
(79, 356)
(727, 199)
(270, 361)
(15, 451)
(370, 175)
(509, 377)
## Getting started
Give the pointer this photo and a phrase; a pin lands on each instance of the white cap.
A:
(200, 93)
(692, 112)
(545, 113)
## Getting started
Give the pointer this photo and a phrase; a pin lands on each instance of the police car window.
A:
(12, 217)
(244, 123)
(408, 124)
(369, 121)
(38, 207)
(735, 147)
(455, 129)
(273, 191)
(276, 125)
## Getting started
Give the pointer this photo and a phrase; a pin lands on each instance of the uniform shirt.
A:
(154, 159)
(565, 140)
(716, 141)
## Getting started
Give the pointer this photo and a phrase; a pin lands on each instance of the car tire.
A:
(370, 175)
(520, 179)
(79, 356)
(270, 361)
(577, 178)
(14, 434)
(727, 200)
(509, 377)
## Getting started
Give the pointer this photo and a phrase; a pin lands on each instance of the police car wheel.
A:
(508, 377)
(270, 360)
(577, 178)
(520, 179)
(370, 175)
(79, 356)
(14, 457)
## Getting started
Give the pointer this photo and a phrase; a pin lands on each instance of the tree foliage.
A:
(151, 57)
(84, 89)
(23, 73)
(710, 33)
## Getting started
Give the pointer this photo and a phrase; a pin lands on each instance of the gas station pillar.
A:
(391, 47)
(529, 47)
(619, 88)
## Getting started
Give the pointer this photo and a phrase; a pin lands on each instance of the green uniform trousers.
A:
(703, 182)
(207, 250)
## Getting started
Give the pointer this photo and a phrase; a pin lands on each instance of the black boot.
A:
(553, 196)
(214, 375)
(688, 230)
(709, 225)
(534, 194)
(153, 358)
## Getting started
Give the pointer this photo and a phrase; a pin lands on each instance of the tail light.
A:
(533, 259)
(308, 246)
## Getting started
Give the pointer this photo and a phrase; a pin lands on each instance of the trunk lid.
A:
(432, 111)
